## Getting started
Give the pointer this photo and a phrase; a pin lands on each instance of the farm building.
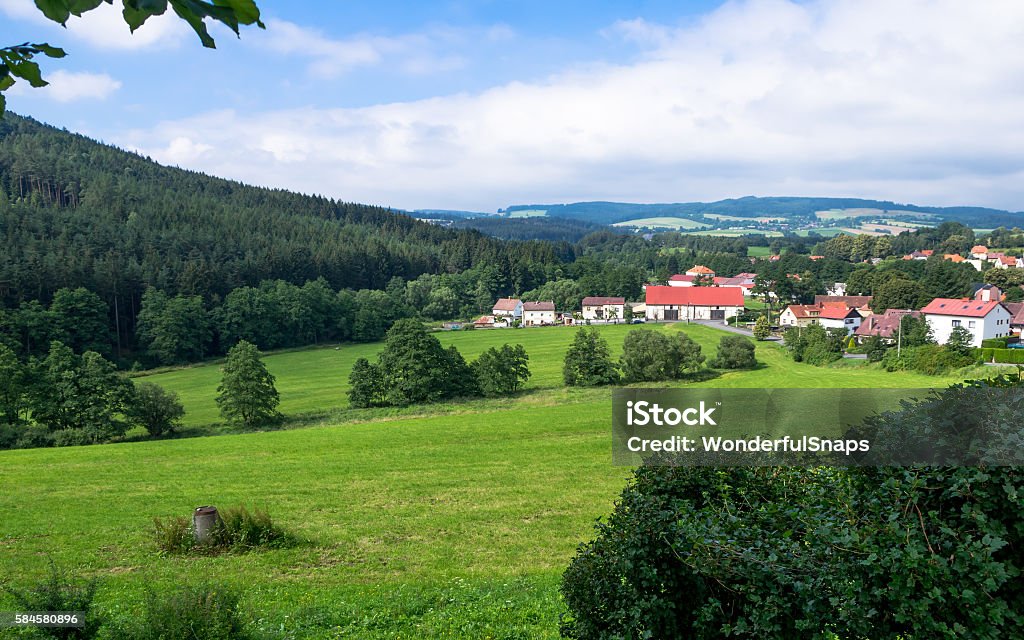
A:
(693, 303)
(603, 308)
(536, 314)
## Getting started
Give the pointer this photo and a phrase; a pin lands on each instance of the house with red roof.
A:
(507, 310)
(833, 315)
(700, 270)
(983, 317)
(693, 303)
(883, 325)
(1016, 310)
(604, 308)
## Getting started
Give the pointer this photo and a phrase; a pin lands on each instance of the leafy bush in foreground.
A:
(913, 553)
(188, 613)
(60, 592)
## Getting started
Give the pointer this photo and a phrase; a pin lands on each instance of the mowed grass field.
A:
(427, 526)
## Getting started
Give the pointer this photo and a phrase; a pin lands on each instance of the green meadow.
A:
(451, 521)
(663, 222)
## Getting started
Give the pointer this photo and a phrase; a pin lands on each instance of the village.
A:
(699, 295)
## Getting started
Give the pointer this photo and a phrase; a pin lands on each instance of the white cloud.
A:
(105, 28)
(69, 86)
(414, 53)
(915, 101)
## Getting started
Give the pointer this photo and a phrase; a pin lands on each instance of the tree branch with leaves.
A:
(18, 61)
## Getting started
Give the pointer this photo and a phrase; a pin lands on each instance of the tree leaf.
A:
(78, 7)
(56, 10)
(246, 11)
(195, 22)
(50, 51)
(29, 71)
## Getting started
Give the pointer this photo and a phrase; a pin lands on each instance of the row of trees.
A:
(415, 368)
(648, 356)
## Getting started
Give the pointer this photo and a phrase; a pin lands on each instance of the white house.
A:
(536, 314)
(984, 319)
(604, 308)
(839, 317)
(508, 309)
(693, 303)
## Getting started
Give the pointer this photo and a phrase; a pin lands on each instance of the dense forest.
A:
(75, 213)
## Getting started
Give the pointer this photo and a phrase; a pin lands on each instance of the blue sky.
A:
(478, 105)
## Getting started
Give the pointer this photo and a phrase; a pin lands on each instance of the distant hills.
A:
(797, 210)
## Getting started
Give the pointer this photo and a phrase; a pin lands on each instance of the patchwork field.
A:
(664, 222)
(451, 525)
(528, 213)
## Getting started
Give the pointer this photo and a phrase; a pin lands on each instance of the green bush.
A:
(929, 359)
(846, 553)
(60, 592)
(188, 613)
(994, 343)
(734, 352)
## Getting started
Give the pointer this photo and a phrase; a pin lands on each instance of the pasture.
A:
(451, 525)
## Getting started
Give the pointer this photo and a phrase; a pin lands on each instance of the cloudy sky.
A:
(482, 104)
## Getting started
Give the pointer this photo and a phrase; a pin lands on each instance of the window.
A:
(970, 325)
(956, 323)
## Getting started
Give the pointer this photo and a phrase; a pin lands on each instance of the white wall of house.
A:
(850, 324)
(995, 325)
(536, 318)
(604, 311)
(517, 313)
(660, 312)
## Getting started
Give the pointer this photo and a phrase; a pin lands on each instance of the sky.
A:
(477, 105)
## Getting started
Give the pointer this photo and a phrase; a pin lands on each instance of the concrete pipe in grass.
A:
(204, 522)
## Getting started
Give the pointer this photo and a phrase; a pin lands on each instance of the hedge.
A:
(994, 343)
(1003, 356)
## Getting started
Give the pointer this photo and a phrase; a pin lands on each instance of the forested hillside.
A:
(76, 213)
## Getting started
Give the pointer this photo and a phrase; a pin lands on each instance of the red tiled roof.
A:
(681, 278)
(597, 301)
(701, 269)
(884, 325)
(1016, 309)
(539, 306)
(506, 304)
(928, 252)
(953, 257)
(1008, 260)
(979, 248)
(695, 296)
(960, 307)
(854, 302)
(829, 311)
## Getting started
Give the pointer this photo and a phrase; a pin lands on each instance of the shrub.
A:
(173, 535)
(60, 592)
(762, 328)
(190, 612)
(734, 352)
(994, 343)
(243, 529)
(929, 359)
(649, 355)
